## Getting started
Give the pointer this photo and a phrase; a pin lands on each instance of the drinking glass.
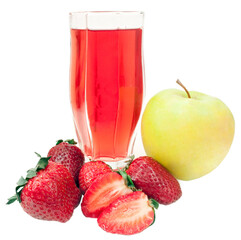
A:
(106, 82)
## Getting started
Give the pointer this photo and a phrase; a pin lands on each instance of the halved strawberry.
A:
(128, 214)
(102, 192)
(91, 171)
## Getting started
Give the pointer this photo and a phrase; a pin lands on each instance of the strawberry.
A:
(66, 153)
(154, 180)
(102, 192)
(91, 171)
(128, 214)
(48, 192)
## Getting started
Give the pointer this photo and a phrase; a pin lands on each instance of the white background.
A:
(198, 42)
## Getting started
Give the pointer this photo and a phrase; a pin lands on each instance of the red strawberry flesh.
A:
(128, 214)
(102, 192)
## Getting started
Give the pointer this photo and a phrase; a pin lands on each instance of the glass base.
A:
(115, 164)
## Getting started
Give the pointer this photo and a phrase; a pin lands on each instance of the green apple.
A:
(189, 133)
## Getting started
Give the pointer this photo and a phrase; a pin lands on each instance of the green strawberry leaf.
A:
(42, 163)
(32, 172)
(130, 182)
(132, 157)
(37, 154)
(153, 203)
(21, 182)
(12, 199)
(154, 217)
(18, 192)
(71, 141)
(59, 141)
(127, 179)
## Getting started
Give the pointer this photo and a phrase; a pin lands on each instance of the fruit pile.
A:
(123, 201)
(187, 133)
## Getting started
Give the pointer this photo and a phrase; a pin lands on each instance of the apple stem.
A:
(179, 82)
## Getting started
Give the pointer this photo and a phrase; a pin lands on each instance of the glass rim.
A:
(106, 12)
(106, 20)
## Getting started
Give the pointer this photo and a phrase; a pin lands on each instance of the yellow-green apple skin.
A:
(188, 136)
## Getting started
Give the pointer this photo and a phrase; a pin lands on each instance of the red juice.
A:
(106, 88)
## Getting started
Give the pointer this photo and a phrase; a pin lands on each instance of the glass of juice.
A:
(106, 82)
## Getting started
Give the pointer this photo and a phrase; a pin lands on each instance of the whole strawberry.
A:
(66, 153)
(91, 171)
(154, 180)
(48, 192)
